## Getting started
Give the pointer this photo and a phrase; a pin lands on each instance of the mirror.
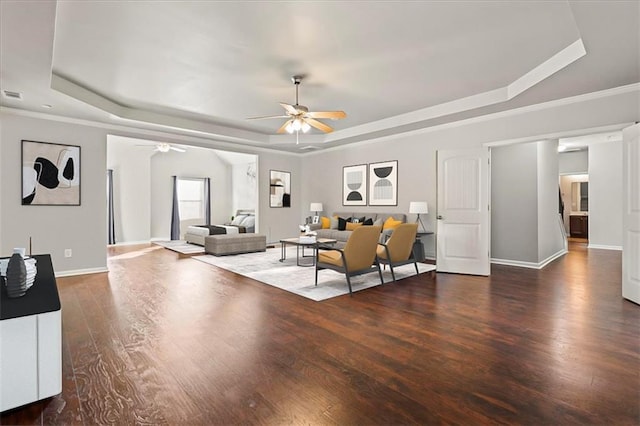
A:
(279, 189)
(580, 197)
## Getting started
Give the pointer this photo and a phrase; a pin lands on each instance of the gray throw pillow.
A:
(334, 223)
(378, 222)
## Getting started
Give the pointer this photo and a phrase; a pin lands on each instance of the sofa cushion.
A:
(342, 224)
(352, 226)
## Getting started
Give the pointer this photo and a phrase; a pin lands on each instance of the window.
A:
(191, 198)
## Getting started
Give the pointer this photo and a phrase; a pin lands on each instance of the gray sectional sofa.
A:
(343, 236)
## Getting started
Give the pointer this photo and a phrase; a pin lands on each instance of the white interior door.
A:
(463, 217)
(631, 220)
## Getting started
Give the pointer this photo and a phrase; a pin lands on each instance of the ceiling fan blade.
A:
(318, 125)
(283, 128)
(177, 149)
(267, 117)
(289, 108)
(334, 115)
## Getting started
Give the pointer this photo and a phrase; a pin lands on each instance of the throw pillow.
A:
(352, 226)
(378, 222)
(342, 224)
(391, 223)
(249, 222)
(326, 222)
(368, 221)
(334, 223)
(237, 221)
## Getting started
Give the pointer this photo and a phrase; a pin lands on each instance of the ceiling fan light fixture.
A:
(289, 127)
(305, 127)
(164, 147)
(297, 124)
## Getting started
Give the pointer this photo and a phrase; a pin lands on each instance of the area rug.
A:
(266, 268)
(181, 246)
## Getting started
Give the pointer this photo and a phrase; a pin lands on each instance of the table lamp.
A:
(419, 207)
(316, 207)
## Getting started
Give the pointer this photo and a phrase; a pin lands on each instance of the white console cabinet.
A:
(31, 342)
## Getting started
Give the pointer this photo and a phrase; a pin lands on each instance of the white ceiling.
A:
(202, 68)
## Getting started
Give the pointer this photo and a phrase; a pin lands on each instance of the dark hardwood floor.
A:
(165, 339)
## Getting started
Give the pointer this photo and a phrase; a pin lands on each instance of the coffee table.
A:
(300, 246)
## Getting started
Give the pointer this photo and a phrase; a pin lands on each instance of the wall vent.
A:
(12, 95)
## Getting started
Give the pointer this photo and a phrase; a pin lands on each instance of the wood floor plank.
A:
(164, 339)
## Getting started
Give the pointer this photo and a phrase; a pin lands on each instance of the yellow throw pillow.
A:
(391, 223)
(326, 222)
(352, 226)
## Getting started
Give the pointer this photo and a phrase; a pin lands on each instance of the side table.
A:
(418, 247)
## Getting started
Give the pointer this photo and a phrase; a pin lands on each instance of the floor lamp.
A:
(419, 207)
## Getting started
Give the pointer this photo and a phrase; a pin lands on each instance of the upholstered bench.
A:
(219, 245)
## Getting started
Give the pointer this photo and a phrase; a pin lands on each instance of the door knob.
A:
(439, 217)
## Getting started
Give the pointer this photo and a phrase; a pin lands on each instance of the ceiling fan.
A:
(299, 116)
(165, 147)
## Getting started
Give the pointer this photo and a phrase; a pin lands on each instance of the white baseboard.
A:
(132, 243)
(531, 265)
(75, 272)
(604, 247)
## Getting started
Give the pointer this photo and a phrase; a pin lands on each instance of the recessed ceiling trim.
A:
(566, 56)
(125, 113)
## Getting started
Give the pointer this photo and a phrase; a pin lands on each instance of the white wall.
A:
(575, 162)
(131, 189)
(55, 228)
(605, 195)
(244, 179)
(195, 162)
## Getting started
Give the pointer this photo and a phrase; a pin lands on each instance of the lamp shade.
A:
(418, 207)
(316, 207)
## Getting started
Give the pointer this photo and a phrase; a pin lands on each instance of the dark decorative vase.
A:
(16, 276)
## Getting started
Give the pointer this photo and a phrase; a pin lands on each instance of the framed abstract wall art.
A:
(279, 189)
(50, 174)
(383, 183)
(354, 185)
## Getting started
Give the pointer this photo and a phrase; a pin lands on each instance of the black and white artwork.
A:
(279, 189)
(354, 185)
(383, 184)
(50, 174)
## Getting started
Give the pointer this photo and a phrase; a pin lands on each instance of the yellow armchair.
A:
(398, 249)
(357, 257)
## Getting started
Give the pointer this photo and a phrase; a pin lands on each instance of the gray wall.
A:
(315, 177)
(550, 238)
(322, 171)
(514, 203)
(244, 186)
(605, 195)
(55, 228)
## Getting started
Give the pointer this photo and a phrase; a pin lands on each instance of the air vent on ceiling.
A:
(12, 95)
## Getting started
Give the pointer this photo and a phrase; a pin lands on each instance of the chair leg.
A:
(349, 284)
(380, 273)
(416, 265)
(316, 274)
(393, 274)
